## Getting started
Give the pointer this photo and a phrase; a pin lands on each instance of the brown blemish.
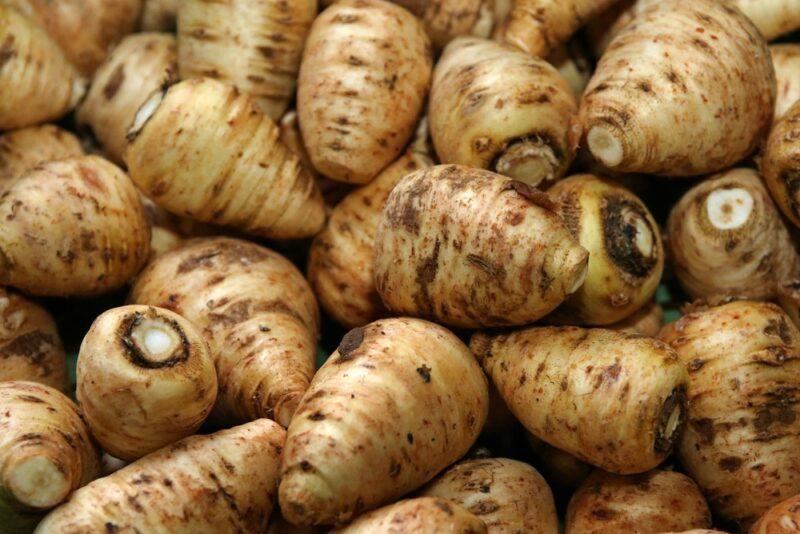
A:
(350, 342)
(114, 82)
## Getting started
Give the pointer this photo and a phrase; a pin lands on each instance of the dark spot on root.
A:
(410, 438)
(425, 373)
(426, 274)
(664, 442)
(532, 195)
(730, 464)
(350, 342)
(194, 262)
(7, 50)
(442, 505)
(779, 328)
(604, 513)
(114, 82)
(495, 271)
(395, 468)
(619, 232)
(33, 346)
(317, 416)
(484, 507)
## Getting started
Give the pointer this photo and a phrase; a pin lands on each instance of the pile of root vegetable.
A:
(360, 266)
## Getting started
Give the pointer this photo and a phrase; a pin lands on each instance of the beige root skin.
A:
(727, 238)
(257, 313)
(341, 256)
(560, 468)
(626, 256)
(619, 397)
(497, 108)
(225, 163)
(786, 59)
(661, 115)
(781, 518)
(146, 379)
(30, 347)
(472, 248)
(789, 299)
(779, 164)
(139, 65)
(160, 15)
(742, 433)
(646, 321)
(358, 110)
(650, 502)
(86, 30)
(446, 20)
(374, 395)
(223, 482)
(252, 44)
(22, 150)
(46, 451)
(72, 227)
(573, 65)
(508, 495)
(540, 26)
(421, 515)
(37, 83)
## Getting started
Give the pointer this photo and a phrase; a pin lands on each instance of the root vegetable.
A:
(145, 379)
(30, 348)
(647, 321)
(677, 117)
(626, 257)
(160, 15)
(165, 229)
(223, 482)
(471, 248)
(445, 20)
(363, 81)
(656, 501)
(789, 299)
(252, 44)
(141, 64)
(257, 313)
(497, 108)
(341, 256)
(37, 83)
(539, 26)
(380, 419)
(46, 452)
(561, 468)
(739, 444)
(423, 515)
(573, 64)
(72, 227)
(508, 496)
(204, 150)
(726, 237)
(22, 150)
(780, 164)
(781, 518)
(611, 399)
(422, 142)
(786, 59)
(84, 29)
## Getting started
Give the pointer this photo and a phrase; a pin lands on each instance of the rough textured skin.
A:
(30, 347)
(740, 444)
(22, 150)
(341, 256)
(539, 26)
(611, 399)
(72, 227)
(445, 20)
(748, 260)
(381, 418)
(423, 515)
(37, 83)
(255, 45)
(786, 59)
(560, 468)
(141, 64)
(257, 313)
(783, 518)
(780, 163)
(789, 299)
(507, 495)
(471, 248)
(364, 77)
(651, 502)
(495, 107)
(626, 256)
(86, 30)
(686, 89)
(646, 321)
(207, 152)
(223, 482)
(160, 15)
(133, 402)
(39, 424)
